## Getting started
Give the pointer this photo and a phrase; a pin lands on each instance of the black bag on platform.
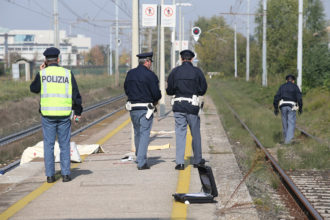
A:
(209, 188)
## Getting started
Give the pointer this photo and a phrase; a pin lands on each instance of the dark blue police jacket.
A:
(288, 92)
(185, 81)
(142, 86)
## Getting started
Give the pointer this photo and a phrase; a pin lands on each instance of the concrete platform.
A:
(104, 187)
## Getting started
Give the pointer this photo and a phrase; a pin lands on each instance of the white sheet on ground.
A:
(37, 151)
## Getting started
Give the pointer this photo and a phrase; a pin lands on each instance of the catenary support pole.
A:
(173, 42)
(235, 48)
(110, 53)
(135, 46)
(117, 48)
(56, 31)
(264, 45)
(300, 48)
(248, 43)
(162, 67)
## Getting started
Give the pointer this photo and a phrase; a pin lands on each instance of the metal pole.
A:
(180, 33)
(158, 40)
(248, 44)
(300, 48)
(117, 49)
(235, 46)
(173, 41)
(135, 47)
(7, 56)
(135, 33)
(110, 53)
(150, 40)
(56, 31)
(264, 46)
(162, 68)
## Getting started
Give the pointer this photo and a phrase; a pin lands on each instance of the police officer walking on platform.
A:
(59, 95)
(142, 89)
(186, 83)
(288, 98)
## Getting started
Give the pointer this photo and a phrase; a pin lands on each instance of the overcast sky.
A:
(37, 14)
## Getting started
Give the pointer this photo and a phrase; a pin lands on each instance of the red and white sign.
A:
(149, 15)
(184, 45)
(168, 16)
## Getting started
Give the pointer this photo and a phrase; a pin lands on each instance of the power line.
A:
(101, 8)
(80, 18)
(128, 13)
(48, 16)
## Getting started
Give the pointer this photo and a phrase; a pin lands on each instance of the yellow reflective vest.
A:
(56, 91)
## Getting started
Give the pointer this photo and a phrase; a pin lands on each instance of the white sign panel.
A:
(168, 16)
(184, 45)
(149, 15)
(15, 70)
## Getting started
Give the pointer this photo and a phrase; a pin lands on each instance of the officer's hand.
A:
(300, 111)
(76, 118)
(276, 112)
(43, 66)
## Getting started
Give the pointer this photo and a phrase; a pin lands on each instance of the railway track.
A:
(310, 190)
(19, 135)
(30, 131)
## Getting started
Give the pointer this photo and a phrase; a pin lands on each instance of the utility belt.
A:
(295, 106)
(150, 107)
(194, 100)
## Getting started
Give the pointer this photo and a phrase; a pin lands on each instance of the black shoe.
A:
(200, 164)
(66, 178)
(144, 167)
(179, 167)
(51, 179)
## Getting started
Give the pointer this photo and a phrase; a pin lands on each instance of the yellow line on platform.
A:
(179, 210)
(45, 186)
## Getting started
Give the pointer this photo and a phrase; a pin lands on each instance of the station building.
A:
(30, 45)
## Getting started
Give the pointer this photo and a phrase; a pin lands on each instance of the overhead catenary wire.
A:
(80, 17)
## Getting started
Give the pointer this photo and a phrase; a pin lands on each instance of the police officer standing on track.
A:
(187, 83)
(59, 95)
(288, 98)
(142, 89)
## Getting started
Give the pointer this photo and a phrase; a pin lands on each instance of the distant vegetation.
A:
(254, 105)
(215, 48)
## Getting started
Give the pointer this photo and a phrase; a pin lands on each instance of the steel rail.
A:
(19, 135)
(319, 140)
(302, 201)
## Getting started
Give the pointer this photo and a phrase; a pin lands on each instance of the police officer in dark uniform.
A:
(59, 95)
(186, 83)
(142, 89)
(288, 98)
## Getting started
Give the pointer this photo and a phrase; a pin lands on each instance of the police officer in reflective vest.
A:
(186, 83)
(59, 95)
(142, 89)
(288, 98)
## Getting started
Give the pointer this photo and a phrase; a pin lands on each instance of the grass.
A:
(253, 103)
(19, 107)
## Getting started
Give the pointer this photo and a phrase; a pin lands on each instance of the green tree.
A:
(316, 58)
(215, 45)
(282, 31)
(282, 19)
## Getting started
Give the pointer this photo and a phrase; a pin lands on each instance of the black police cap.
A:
(51, 52)
(187, 54)
(145, 55)
(290, 76)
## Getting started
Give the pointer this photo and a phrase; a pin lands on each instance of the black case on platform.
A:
(208, 186)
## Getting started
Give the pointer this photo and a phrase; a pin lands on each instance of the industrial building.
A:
(30, 45)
